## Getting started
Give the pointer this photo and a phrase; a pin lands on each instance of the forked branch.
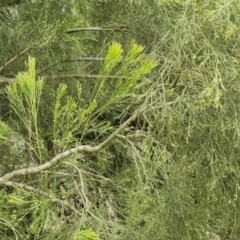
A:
(82, 148)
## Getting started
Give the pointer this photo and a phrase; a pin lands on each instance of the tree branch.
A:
(57, 159)
(113, 28)
(6, 80)
(15, 57)
(83, 148)
(69, 76)
(70, 60)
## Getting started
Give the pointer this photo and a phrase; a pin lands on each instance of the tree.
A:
(172, 173)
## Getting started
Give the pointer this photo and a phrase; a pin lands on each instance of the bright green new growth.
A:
(127, 69)
(72, 118)
(87, 234)
(24, 95)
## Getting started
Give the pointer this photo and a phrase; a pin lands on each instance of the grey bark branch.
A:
(57, 159)
(83, 148)
(15, 57)
(5, 80)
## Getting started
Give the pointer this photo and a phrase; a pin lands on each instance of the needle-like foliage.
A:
(113, 144)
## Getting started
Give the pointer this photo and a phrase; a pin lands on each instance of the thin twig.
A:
(29, 136)
(176, 80)
(85, 172)
(114, 28)
(15, 57)
(69, 60)
(7, 224)
(71, 76)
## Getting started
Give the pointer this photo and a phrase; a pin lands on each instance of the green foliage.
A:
(87, 234)
(68, 118)
(71, 117)
(194, 142)
(24, 96)
(174, 174)
(127, 70)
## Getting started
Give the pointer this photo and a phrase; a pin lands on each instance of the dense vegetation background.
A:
(119, 119)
